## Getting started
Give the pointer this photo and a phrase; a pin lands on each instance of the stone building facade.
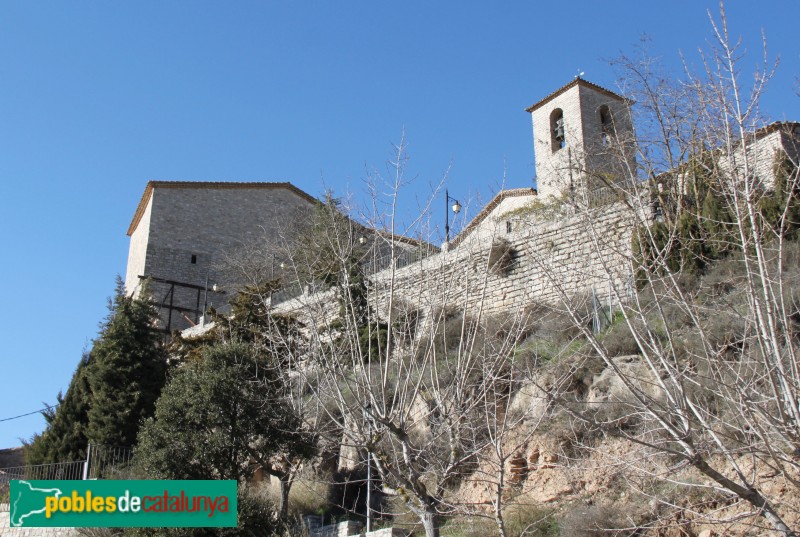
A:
(182, 232)
(570, 237)
(582, 139)
(775, 138)
(567, 237)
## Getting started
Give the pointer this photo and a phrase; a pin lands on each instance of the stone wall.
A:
(387, 532)
(554, 255)
(556, 250)
(185, 232)
(341, 529)
(763, 167)
(137, 251)
(7, 531)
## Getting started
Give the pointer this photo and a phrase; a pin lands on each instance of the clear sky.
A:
(97, 98)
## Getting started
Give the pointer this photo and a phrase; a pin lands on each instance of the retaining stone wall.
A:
(342, 529)
(7, 530)
(554, 255)
(387, 532)
(563, 256)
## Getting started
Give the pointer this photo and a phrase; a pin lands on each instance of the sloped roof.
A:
(578, 81)
(419, 243)
(486, 211)
(216, 185)
(785, 126)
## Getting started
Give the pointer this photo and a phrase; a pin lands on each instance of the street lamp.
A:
(215, 289)
(456, 209)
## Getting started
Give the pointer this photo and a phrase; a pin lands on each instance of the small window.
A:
(606, 124)
(194, 259)
(508, 226)
(559, 139)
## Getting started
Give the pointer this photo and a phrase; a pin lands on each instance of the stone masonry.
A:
(183, 231)
(553, 256)
(587, 147)
(573, 238)
(7, 531)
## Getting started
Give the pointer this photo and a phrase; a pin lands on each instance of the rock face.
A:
(12, 457)
(530, 402)
(608, 387)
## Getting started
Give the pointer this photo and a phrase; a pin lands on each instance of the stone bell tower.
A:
(582, 139)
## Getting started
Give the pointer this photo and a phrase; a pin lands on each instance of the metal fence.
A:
(106, 462)
(59, 470)
(102, 462)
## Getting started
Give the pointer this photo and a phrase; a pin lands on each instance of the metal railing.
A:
(105, 462)
(60, 470)
(102, 462)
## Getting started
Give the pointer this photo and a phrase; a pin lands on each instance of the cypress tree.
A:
(64, 438)
(126, 371)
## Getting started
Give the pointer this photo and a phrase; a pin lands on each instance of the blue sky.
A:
(97, 98)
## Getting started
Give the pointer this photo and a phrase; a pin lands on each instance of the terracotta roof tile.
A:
(576, 82)
(481, 216)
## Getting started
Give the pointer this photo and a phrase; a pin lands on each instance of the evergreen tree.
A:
(696, 224)
(64, 438)
(126, 371)
(329, 250)
(220, 414)
(268, 339)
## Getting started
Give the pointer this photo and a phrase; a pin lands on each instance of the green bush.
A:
(619, 340)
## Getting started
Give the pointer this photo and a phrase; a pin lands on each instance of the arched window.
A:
(558, 139)
(606, 124)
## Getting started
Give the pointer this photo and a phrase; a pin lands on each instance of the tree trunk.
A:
(749, 494)
(498, 513)
(286, 486)
(430, 522)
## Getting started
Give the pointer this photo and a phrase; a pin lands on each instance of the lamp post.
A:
(456, 209)
(215, 289)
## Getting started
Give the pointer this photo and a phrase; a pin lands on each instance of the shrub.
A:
(501, 257)
(619, 341)
(309, 496)
(595, 521)
(530, 521)
(257, 515)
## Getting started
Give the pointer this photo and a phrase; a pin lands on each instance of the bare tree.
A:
(710, 298)
(411, 375)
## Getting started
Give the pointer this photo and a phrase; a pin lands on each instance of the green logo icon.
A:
(120, 504)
